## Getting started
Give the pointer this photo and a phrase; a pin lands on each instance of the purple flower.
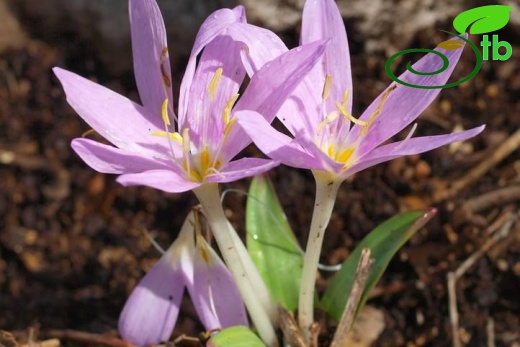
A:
(149, 149)
(327, 138)
(193, 150)
(151, 311)
(332, 143)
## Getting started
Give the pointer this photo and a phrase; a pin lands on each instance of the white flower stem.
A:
(232, 250)
(326, 192)
(255, 279)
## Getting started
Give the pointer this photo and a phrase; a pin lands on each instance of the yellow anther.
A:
(164, 74)
(348, 116)
(345, 155)
(164, 113)
(229, 106)
(213, 84)
(177, 137)
(174, 136)
(327, 87)
(229, 126)
(377, 112)
(331, 117)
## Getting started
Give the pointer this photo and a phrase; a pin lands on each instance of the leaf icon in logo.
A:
(451, 45)
(482, 20)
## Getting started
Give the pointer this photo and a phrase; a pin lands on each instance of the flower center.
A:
(332, 131)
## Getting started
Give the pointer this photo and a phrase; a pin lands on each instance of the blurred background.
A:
(72, 245)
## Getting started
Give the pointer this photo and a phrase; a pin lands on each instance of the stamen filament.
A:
(344, 101)
(348, 116)
(414, 127)
(408, 137)
(174, 136)
(229, 106)
(186, 150)
(331, 117)
(377, 112)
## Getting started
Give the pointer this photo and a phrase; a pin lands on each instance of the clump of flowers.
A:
(309, 89)
(329, 140)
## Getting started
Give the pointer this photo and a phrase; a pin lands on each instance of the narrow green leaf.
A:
(272, 245)
(384, 241)
(483, 19)
(237, 336)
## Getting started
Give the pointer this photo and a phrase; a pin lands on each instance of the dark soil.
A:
(72, 244)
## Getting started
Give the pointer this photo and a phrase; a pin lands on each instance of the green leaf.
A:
(237, 336)
(384, 241)
(483, 19)
(272, 245)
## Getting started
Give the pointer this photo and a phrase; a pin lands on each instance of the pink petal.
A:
(212, 27)
(262, 45)
(327, 163)
(241, 168)
(305, 108)
(151, 311)
(322, 20)
(271, 85)
(274, 144)
(165, 180)
(119, 120)
(214, 293)
(108, 159)
(150, 51)
(205, 114)
(404, 104)
(411, 146)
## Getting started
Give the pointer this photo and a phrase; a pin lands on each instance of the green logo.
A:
(479, 20)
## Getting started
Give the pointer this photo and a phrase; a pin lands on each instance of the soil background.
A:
(71, 240)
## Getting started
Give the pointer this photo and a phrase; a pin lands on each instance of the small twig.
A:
(496, 197)
(500, 234)
(360, 280)
(314, 330)
(88, 338)
(454, 312)
(7, 338)
(490, 330)
(46, 343)
(506, 148)
(291, 331)
(453, 276)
